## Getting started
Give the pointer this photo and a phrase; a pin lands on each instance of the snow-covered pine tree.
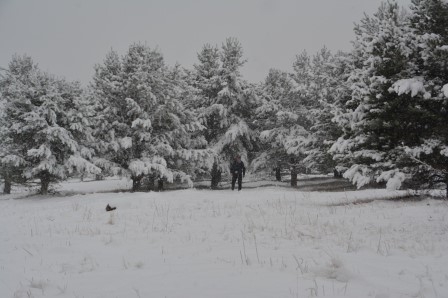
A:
(427, 85)
(43, 134)
(180, 78)
(296, 115)
(334, 107)
(320, 86)
(374, 120)
(105, 92)
(394, 122)
(277, 118)
(10, 168)
(145, 130)
(309, 87)
(225, 102)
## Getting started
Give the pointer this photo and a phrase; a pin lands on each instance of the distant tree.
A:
(224, 102)
(328, 89)
(11, 166)
(44, 127)
(10, 169)
(295, 119)
(277, 119)
(145, 131)
(312, 78)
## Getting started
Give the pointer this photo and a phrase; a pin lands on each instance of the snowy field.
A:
(265, 242)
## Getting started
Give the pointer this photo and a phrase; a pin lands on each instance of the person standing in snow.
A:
(238, 171)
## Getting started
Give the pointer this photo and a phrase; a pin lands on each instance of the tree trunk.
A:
(151, 184)
(216, 176)
(337, 174)
(278, 174)
(293, 166)
(160, 184)
(44, 182)
(7, 186)
(293, 176)
(136, 182)
(446, 184)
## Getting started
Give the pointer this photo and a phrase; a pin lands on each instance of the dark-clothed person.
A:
(238, 171)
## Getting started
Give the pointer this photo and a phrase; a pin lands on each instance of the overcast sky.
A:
(67, 37)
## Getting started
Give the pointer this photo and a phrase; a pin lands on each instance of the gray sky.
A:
(67, 38)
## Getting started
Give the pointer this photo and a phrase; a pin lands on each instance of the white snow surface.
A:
(263, 242)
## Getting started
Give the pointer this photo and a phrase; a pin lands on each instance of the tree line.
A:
(377, 113)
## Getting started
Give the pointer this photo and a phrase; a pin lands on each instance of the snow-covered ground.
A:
(266, 242)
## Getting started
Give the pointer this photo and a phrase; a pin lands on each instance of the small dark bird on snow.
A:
(109, 208)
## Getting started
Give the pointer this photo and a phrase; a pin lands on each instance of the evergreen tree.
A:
(145, 130)
(374, 120)
(277, 120)
(428, 86)
(393, 122)
(320, 86)
(224, 103)
(10, 168)
(296, 115)
(328, 90)
(43, 125)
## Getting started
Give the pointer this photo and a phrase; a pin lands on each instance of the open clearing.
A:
(261, 242)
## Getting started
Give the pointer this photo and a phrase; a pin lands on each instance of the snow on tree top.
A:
(405, 86)
(445, 90)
